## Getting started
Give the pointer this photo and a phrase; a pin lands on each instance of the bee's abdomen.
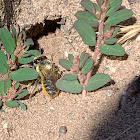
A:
(49, 88)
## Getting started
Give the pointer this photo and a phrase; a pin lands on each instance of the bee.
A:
(49, 74)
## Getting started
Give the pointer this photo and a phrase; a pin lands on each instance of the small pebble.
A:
(52, 108)
(62, 130)
(109, 94)
(66, 53)
(5, 125)
(138, 38)
(107, 68)
(50, 133)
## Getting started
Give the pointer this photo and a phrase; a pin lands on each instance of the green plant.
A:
(98, 28)
(13, 54)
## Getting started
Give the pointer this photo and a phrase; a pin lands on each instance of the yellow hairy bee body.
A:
(49, 75)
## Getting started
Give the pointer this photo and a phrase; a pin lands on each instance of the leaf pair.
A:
(70, 84)
(28, 56)
(15, 103)
(85, 63)
(4, 86)
(114, 16)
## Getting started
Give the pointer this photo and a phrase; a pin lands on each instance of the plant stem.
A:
(97, 54)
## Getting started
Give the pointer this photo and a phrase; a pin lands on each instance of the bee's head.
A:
(43, 62)
(46, 64)
(39, 59)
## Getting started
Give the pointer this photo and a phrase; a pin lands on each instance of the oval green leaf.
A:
(23, 35)
(7, 40)
(69, 86)
(65, 63)
(115, 31)
(29, 42)
(14, 32)
(97, 7)
(22, 105)
(88, 65)
(27, 48)
(119, 16)
(13, 57)
(16, 85)
(11, 103)
(25, 60)
(106, 28)
(71, 57)
(87, 4)
(83, 58)
(87, 17)
(97, 81)
(33, 52)
(7, 85)
(23, 93)
(25, 55)
(3, 59)
(116, 50)
(3, 70)
(111, 40)
(2, 87)
(70, 77)
(115, 5)
(86, 32)
(24, 74)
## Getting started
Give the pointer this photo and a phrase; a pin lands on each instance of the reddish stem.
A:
(97, 54)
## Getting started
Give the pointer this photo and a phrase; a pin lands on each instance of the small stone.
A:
(62, 130)
(5, 126)
(109, 94)
(107, 68)
(66, 53)
(50, 133)
(138, 38)
(52, 108)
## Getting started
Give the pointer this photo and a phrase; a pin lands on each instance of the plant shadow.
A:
(123, 123)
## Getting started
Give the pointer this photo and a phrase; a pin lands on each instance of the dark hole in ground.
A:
(42, 29)
(123, 123)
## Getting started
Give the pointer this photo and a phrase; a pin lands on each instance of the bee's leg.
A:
(57, 71)
(59, 74)
(26, 66)
(35, 86)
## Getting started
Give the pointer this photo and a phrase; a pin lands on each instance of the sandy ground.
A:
(97, 117)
